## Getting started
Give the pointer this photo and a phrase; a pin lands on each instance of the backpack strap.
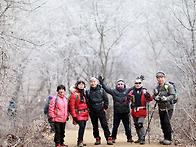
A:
(56, 101)
(166, 87)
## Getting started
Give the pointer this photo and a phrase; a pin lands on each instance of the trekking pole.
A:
(148, 127)
(148, 122)
(172, 131)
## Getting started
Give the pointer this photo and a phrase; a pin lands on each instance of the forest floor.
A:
(71, 139)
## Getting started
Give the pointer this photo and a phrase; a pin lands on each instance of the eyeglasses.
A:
(138, 82)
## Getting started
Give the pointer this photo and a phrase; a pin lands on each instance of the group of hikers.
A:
(82, 103)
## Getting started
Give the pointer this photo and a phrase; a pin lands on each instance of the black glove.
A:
(147, 95)
(100, 80)
(128, 97)
(75, 119)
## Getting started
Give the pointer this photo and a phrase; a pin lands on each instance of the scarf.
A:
(82, 95)
(137, 93)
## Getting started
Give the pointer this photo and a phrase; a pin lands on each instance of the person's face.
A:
(81, 86)
(61, 91)
(138, 84)
(161, 80)
(93, 83)
(120, 85)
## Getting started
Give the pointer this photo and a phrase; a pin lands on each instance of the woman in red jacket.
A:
(79, 109)
(58, 111)
(139, 97)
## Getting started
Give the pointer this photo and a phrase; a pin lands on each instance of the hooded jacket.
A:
(140, 102)
(97, 99)
(60, 111)
(78, 109)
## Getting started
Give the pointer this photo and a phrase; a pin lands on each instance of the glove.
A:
(100, 80)
(156, 92)
(52, 119)
(129, 97)
(147, 95)
(104, 110)
(74, 122)
(75, 119)
(164, 98)
(157, 98)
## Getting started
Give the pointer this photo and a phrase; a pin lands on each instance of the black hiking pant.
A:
(102, 118)
(165, 123)
(59, 133)
(82, 125)
(125, 120)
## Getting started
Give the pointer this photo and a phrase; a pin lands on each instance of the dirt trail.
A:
(71, 139)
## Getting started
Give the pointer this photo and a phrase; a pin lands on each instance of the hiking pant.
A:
(116, 121)
(138, 122)
(82, 125)
(102, 118)
(165, 123)
(59, 133)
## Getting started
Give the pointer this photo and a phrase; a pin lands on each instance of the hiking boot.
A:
(78, 142)
(166, 142)
(137, 141)
(98, 141)
(81, 144)
(109, 141)
(113, 140)
(142, 141)
(63, 145)
(130, 140)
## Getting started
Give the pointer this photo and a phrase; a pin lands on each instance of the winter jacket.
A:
(119, 96)
(60, 111)
(78, 109)
(170, 96)
(140, 102)
(97, 99)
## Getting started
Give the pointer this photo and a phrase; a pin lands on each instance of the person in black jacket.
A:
(121, 107)
(97, 101)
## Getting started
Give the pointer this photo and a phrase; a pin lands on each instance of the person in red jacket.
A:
(79, 109)
(139, 97)
(58, 111)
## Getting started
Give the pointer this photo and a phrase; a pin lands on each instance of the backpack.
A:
(12, 110)
(77, 95)
(175, 100)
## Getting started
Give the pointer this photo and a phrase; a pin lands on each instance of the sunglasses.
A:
(138, 82)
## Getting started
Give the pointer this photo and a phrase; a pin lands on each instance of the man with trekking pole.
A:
(139, 97)
(164, 93)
